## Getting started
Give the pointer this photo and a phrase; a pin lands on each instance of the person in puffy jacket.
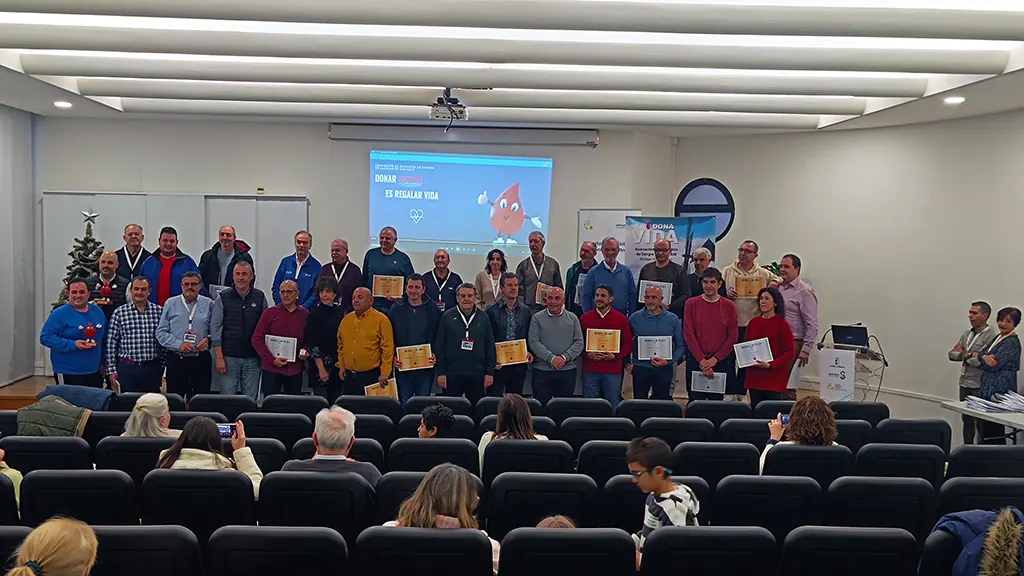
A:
(199, 448)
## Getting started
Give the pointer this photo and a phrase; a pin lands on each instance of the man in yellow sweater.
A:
(744, 278)
(366, 345)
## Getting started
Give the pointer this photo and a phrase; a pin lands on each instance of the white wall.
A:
(17, 326)
(899, 228)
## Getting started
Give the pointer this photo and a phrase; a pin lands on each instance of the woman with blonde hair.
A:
(810, 422)
(150, 418)
(556, 521)
(57, 547)
(200, 448)
(514, 423)
(445, 498)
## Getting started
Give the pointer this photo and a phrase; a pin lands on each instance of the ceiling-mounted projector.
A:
(447, 108)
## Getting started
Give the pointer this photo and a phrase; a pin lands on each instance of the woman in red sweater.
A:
(767, 380)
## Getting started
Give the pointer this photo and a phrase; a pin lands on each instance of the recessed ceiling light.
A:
(62, 104)
(954, 100)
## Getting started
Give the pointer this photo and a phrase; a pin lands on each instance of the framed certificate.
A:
(281, 346)
(666, 290)
(511, 352)
(602, 340)
(387, 286)
(749, 286)
(414, 357)
(542, 292)
(390, 389)
(752, 352)
(649, 346)
(713, 385)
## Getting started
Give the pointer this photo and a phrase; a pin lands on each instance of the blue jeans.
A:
(646, 379)
(607, 386)
(243, 377)
(414, 383)
(548, 384)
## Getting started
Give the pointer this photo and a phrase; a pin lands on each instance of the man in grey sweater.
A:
(556, 341)
(334, 436)
(967, 351)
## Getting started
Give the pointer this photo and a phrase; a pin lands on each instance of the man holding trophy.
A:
(72, 332)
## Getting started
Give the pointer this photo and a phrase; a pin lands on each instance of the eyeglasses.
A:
(744, 250)
(668, 471)
(289, 291)
(191, 284)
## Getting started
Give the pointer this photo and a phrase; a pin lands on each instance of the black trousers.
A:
(647, 380)
(972, 426)
(737, 385)
(277, 383)
(992, 433)
(136, 377)
(189, 375)
(727, 366)
(331, 389)
(356, 382)
(470, 385)
(94, 380)
(509, 380)
(758, 396)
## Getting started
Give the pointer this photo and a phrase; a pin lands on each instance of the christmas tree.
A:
(85, 256)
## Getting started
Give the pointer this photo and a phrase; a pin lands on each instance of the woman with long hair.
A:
(811, 422)
(57, 547)
(200, 448)
(445, 498)
(150, 418)
(514, 423)
(488, 281)
(768, 380)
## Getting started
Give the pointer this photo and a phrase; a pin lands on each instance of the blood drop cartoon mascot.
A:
(507, 213)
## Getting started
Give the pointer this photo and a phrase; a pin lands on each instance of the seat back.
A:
(488, 406)
(230, 405)
(849, 551)
(458, 404)
(551, 456)
(640, 410)
(8, 423)
(558, 409)
(854, 434)
(521, 499)
(713, 461)
(555, 552)
(163, 550)
(623, 504)
(992, 461)
(133, 456)
(179, 419)
(200, 500)
(382, 405)
(125, 402)
(408, 426)
(269, 453)
(709, 550)
(873, 412)
(309, 406)
(718, 411)
(578, 430)
(380, 427)
(541, 425)
(422, 454)
(823, 463)
(907, 503)
(776, 503)
(750, 430)
(341, 501)
(28, 453)
(902, 460)
(386, 550)
(603, 459)
(364, 450)
(939, 554)
(96, 497)
(8, 503)
(103, 424)
(288, 428)
(394, 488)
(925, 431)
(962, 494)
(249, 550)
(10, 538)
(770, 409)
(675, 431)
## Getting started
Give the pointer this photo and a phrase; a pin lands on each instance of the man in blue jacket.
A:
(302, 268)
(414, 323)
(612, 273)
(654, 372)
(165, 268)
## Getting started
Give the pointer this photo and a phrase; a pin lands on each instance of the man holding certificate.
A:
(608, 341)
(385, 261)
(464, 348)
(659, 345)
(557, 342)
(537, 273)
(767, 378)
(414, 324)
(613, 274)
(743, 281)
(709, 327)
(366, 346)
(666, 271)
(510, 322)
(278, 340)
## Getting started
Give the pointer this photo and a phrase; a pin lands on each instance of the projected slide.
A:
(464, 203)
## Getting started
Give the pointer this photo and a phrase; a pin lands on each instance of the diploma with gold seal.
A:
(749, 286)
(414, 357)
(602, 340)
(389, 389)
(387, 286)
(511, 352)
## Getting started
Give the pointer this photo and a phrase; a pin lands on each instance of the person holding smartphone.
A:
(200, 447)
(810, 422)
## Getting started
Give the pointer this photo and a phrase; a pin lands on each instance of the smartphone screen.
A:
(226, 430)
(785, 419)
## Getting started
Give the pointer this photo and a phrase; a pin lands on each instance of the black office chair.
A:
(603, 459)
(873, 412)
(341, 501)
(640, 410)
(488, 406)
(550, 456)
(907, 503)
(554, 552)
(675, 431)
(252, 550)
(422, 454)
(288, 428)
(163, 550)
(457, 404)
(961, 494)
(394, 488)
(125, 402)
(28, 453)
(386, 550)
(93, 496)
(269, 453)
(718, 411)
(310, 406)
(11, 538)
(939, 554)
(199, 500)
(823, 463)
(383, 405)
(750, 430)
(8, 503)
(521, 499)
(992, 461)
(230, 405)
(777, 503)
(104, 424)
(408, 427)
(897, 431)
(579, 430)
(558, 409)
(133, 456)
(713, 461)
(709, 550)
(902, 460)
(179, 419)
(622, 502)
(541, 425)
(363, 450)
(854, 434)
(8, 423)
(849, 552)
(770, 409)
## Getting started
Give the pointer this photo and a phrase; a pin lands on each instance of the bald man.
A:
(556, 341)
(107, 289)
(366, 345)
(441, 284)
(217, 265)
(286, 320)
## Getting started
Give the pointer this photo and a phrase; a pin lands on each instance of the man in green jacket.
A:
(464, 348)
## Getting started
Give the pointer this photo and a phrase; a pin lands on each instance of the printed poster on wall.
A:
(837, 374)
(685, 235)
(596, 224)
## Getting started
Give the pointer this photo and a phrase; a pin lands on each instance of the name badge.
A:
(467, 344)
(191, 338)
(440, 305)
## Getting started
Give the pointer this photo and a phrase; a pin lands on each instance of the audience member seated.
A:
(668, 504)
(514, 423)
(150, 418)
(57, 547)
(334, 436)
(436, 421)
(200, 448)
(445, 498)
(811, 422)
(13, 475)
(556, 521)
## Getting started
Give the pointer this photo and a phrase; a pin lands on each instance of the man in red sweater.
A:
(602, 371)
(710, 330)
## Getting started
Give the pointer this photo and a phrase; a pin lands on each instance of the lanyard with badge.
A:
(440, 291)
(128, 257)
(967, 349)
(190, 336)
(337, 277)
(467, 344)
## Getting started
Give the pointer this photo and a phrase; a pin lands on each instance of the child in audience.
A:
(436, 421)
(57, 547)
(556, 521)
(668, 504)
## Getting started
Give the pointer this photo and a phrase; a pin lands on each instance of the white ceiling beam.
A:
(342, 112)
(570, 99)
(483, 76)
(675, 17)
(397, 47)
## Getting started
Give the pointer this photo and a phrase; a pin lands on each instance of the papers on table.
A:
(752, 352)
(387, 286)
(414, 357)
(1009, 402)
(713, 385)
(281, 346)
(390, 389)
(749, 286)
(511, 352)
(602, 340)
(666, 290)
(650, 346)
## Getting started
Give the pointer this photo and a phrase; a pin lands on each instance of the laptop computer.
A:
(851, 336)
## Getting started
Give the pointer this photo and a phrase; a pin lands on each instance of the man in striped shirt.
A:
(134, 358)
